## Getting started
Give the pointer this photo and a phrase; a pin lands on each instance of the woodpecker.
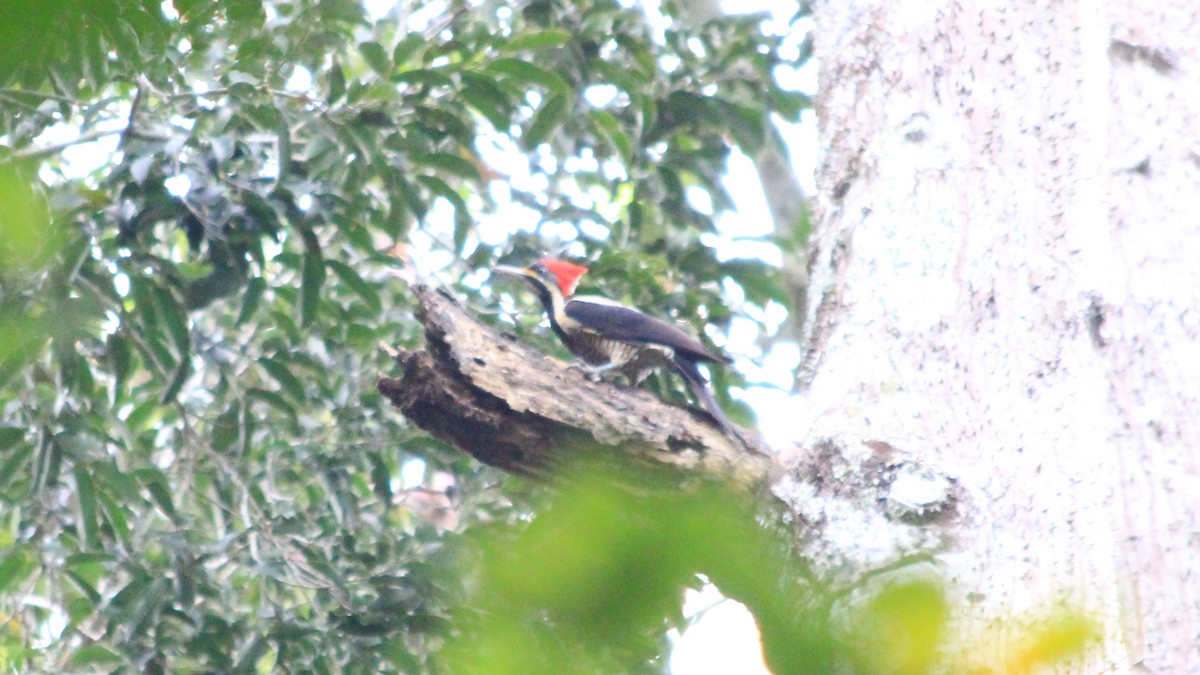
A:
(607, 335)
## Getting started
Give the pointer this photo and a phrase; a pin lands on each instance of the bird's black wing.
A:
(618, 322)
(699, 387)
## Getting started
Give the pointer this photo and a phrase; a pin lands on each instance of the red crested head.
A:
(566, 273)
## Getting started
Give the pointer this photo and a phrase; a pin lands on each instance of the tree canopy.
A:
(206, 208)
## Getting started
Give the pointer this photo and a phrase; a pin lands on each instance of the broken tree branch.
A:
(510, 406)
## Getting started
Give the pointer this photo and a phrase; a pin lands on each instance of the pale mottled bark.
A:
(1006, 287)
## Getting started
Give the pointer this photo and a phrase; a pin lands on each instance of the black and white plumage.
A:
(607, 335)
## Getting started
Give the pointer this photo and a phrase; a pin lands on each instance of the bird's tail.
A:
(699, 386)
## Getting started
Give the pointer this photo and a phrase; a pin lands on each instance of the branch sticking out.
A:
(513, 407)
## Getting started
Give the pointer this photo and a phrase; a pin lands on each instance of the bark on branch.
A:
(508, 405)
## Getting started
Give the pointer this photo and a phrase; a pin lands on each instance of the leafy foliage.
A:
(593, 582)
(195, 470)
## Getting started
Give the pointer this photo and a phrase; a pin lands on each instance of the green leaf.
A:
(745, 122)
(77, 560)
(267, 216)
(31, 236)
(115, 516)
(397, 653)
(85, 492)
(13, 466)
(424, 76)
(449, 163)
(381, 478)
(79, 608)
(285, 323)
(627, 80)
(243, 92)
(406, 48)
(265, 117)
(640, 50)
(361, 336)
(130, 595)
(607, 125)
(789, 104)
(375, 56)
(17, 564)
(281, 374)
(274, 400)
(10, 436)
(159, 487)
(85, 586)
(95, 655)
(117, 481)
(120, 358)
(760, 281)
(183, 370)
(529, 73)
(404, 199)
(337, 83)
(142, 416)
(484, 95)
(441, 188)
(251, 298)
(547, 119)
(356, 283)
(173, 316)
(462, 227)
(542, 39)
(225, 428)
(313, 278)
(245, 11)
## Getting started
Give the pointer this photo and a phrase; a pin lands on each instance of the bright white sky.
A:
(723, 638)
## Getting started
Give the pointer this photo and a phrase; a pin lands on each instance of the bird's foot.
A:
(592, 373)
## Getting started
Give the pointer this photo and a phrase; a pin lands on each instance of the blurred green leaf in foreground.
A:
(593, 582)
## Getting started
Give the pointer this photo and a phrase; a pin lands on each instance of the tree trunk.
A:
(1006, 288)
